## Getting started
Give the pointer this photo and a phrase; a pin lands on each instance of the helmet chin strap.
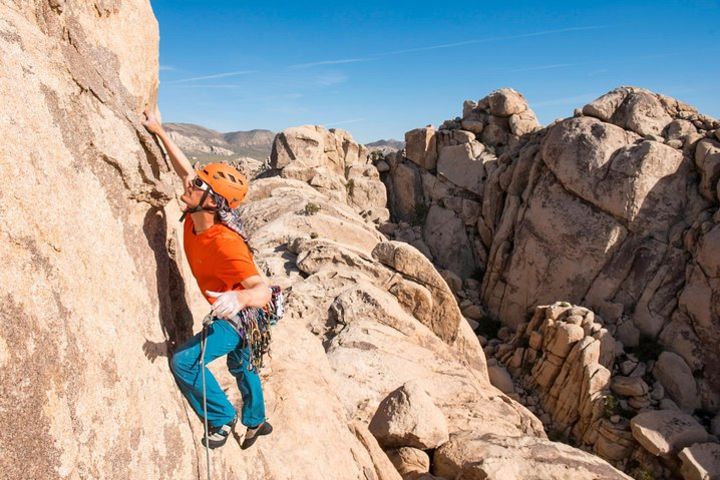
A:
(199, 207)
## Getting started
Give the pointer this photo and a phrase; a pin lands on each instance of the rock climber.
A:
(223, 266)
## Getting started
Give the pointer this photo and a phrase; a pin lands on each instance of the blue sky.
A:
(378, 69)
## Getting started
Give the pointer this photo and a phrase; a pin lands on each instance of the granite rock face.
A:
(89, 270)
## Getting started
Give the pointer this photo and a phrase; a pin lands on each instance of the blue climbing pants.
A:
(222, 339)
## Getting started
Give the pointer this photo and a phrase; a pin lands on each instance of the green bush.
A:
(311, 208)
(613, 407)
(637, 471)
(376, 156)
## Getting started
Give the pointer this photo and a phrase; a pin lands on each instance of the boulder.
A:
(500, 378)
(700, 461)
(305, 143)
(74, 76)
(524, 123)
(473, 125)
(629, 386)
(708, 255)
(383, 466)
(420, 147)
(333, 163)
(495, 135)
(560, 340)
(407, 417)
(715, 425)
(680, 130)
(605, 106)
(462, 136)
(409, 460)
(506, 102)
(602, 164)
(632, 108)
(443, 316)
(461, 165)
(677, 379)
(491, 456)
(662, 432)
(643, 112)
(473, 312)
(406, 192)
(707, 160)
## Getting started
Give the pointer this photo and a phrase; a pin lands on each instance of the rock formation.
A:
(615, 209)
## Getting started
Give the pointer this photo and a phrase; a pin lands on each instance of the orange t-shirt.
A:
(219, 258)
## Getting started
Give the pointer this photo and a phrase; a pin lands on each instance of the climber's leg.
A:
(221, 339)
(253, 409)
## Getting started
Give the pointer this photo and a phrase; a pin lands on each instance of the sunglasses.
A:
(200, 184)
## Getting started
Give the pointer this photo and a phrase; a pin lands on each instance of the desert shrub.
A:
(311, 208)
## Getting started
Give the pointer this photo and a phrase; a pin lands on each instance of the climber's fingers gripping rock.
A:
(150, 122)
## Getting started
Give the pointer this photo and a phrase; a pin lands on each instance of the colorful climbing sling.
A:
(253, 326)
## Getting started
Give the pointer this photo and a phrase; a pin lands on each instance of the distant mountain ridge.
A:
(390, 143)
(207, 145)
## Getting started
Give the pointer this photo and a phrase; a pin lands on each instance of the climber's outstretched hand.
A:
(150, 122)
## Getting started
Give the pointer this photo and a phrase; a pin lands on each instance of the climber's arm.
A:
(257, 292)
(180, 162)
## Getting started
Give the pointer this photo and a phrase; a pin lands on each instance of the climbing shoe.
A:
(252, 434)
(217, 436)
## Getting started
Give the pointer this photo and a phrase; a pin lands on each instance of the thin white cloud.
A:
(166, 68)
(328, 62)
(493, 39)
(216, 75)
(201, 86)
(369, 58)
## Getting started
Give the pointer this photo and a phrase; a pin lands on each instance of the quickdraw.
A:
(253, 325)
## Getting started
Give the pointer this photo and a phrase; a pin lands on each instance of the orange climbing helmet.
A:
(226, 181)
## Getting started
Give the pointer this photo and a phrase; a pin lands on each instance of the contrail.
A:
(217, 75)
